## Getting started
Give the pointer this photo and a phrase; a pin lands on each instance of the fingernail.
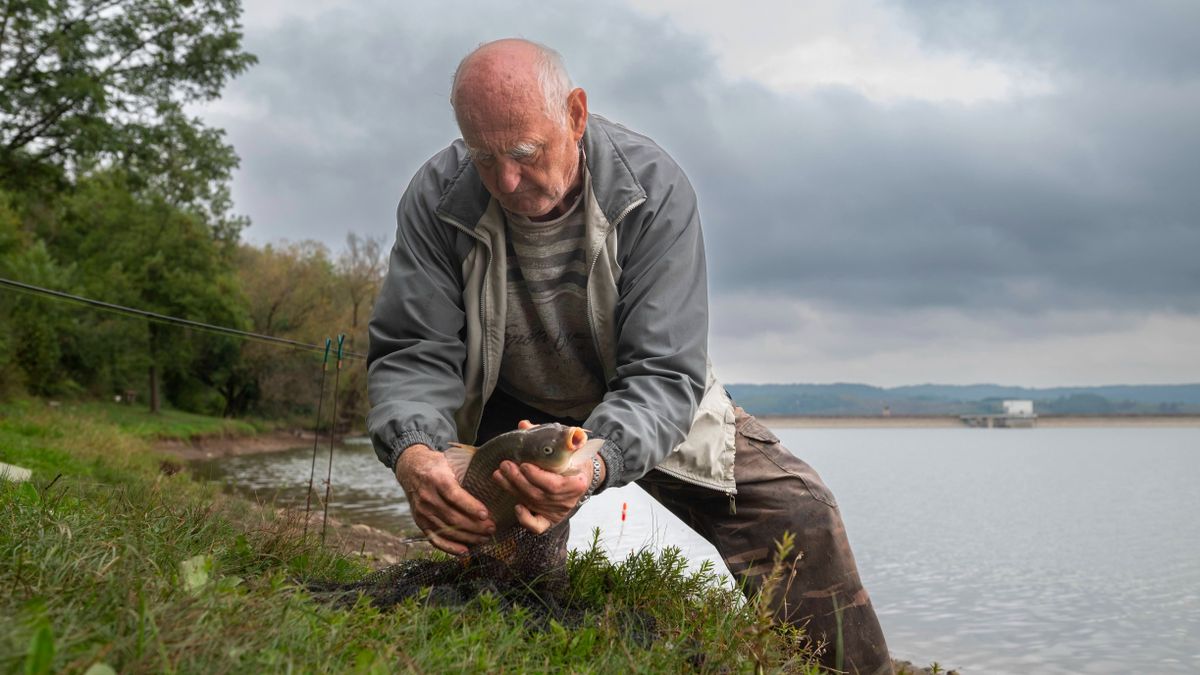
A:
(482, 515)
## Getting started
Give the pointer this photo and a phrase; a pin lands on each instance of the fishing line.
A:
(312, 470)
(31, 289)
(337, 376)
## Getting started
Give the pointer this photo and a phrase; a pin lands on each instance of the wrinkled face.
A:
(550, 446)
(526, 159)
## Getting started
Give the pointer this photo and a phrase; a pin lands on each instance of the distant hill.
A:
(944, 399)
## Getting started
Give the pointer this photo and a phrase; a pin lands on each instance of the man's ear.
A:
(577, 112)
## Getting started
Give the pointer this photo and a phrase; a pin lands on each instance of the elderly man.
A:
(549, 267)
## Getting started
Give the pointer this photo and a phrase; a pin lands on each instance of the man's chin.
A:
(530, 211)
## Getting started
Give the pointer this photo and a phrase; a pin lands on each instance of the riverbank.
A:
(953, 421)
(210, 447)
(110, 557)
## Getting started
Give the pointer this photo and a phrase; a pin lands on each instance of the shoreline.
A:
(214, 447)
(953, 421)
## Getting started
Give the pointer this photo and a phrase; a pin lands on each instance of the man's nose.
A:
(508, 175)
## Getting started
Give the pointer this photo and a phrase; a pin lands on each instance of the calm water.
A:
(997, 551)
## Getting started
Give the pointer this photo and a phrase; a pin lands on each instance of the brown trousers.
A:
(776, 493)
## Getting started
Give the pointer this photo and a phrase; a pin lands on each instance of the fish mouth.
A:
(582, 452)
(576, 437)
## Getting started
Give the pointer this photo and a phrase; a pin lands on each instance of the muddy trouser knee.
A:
(777, 492)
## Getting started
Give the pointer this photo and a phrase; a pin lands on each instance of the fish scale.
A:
(479, 483)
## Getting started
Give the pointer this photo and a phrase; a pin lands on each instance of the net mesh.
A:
(522, 569)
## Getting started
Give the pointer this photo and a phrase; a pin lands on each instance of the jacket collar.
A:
(614, 185)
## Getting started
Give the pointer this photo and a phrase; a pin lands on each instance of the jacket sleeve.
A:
(661, 332)
(416, 353)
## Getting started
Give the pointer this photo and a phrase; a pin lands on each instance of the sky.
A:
(891, 192)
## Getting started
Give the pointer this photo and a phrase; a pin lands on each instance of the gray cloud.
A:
(1078, 199)
(1148, 40)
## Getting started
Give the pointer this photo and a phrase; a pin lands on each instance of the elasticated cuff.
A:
(614, 464)
(405, 441)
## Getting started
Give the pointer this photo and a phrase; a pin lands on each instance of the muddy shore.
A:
(211, 447)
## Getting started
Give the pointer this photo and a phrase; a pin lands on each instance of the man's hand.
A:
(544, 498)
(445, 512)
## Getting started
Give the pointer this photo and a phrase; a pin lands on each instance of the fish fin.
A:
(591, 447)
(459, 456)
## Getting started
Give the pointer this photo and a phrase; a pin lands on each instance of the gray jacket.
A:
(437, 332)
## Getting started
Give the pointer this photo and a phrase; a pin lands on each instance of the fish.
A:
(514, 561)
(554, 447)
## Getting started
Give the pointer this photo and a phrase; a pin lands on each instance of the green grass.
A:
(167, 423)
(117, 564)
(138, 421)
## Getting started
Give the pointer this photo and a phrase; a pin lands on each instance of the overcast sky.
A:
(892, 192)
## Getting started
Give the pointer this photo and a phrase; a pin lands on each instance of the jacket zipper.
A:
(592, 267)
(483, 323)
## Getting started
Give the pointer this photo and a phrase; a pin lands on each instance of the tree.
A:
(291, 292)
(143, 252)
(361, 268)
(96, 83)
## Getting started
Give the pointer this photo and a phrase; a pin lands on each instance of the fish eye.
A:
(546, 450)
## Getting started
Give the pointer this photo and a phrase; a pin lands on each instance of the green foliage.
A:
(167, 424)
(108, 189)
(40, 329)
(10, 246)
(145, 253)
(83, 82)
(298, 291)
(106, 242)
(41, 652)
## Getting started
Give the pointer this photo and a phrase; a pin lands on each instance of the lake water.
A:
(994, 551)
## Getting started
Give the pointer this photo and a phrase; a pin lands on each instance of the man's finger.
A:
(449, 532)
(531, 521)
(550, 482)
(524, 424)
(445, 544)
(519, 484)
(498, 476)
(434, 504)
(453, 495)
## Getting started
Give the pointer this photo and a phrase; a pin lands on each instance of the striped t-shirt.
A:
(549, 359)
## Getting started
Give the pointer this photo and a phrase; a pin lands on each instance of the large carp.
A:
(554, 447)
(515, 562)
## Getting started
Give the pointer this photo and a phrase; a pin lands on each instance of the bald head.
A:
(512, 73)
(522, 124)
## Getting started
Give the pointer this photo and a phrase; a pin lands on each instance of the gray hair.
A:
(552, 77)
